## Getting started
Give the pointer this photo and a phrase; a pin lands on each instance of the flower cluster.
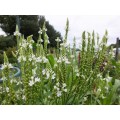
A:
(21, 58)
(60, 88)
(58, 39)
(26, 44)
(7, 65)
(108, 79)
(17, 33)
(63, 45)
(77, 72)
(48, 73)
(63, 59)
(40, 31)
(34, 80)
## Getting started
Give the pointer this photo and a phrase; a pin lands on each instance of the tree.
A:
(29, 24)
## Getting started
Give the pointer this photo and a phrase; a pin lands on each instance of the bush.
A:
(6, 42)
(1, 58)
(11, 58)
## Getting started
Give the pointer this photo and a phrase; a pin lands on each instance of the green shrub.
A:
(6, 42)
(1, 58)
(11, 58)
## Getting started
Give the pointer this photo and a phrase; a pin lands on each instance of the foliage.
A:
(9, 51)
(6, 42)
(29, 25)
(60, 78)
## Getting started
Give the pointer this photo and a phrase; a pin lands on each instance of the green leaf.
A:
(5, 58)
(51, 60)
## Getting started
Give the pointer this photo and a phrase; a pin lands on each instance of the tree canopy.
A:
(29, 25)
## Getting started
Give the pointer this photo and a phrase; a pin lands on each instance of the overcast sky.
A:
(88, 23)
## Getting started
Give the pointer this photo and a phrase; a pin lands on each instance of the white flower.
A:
(47, 75)
(32, 41)
(41, 40)
(4, 78)
(30, 59)
(55, 87)
(49, 96)
(3, 66)
(24, 98)
(99, 76)
(105, 63)
(65, 90)
(72, 56)
(18, 83)
(59, 93)
(37, 79)
(53, 76)
(57, 40)
(32, 77)
(55, 65)
(67, 62)
(40, 31)
(98, 90)
(77, 74)
(24, 58)
(7, 89)
(34, 71)
(31, 83)
(112, 54)
(39, 59)
(45, 60)
(48, 42)
(45, 29)
(6, 65)
(17, 33)
(58, 89)
(33, 57)
(24, 44)
(21, 58)
(10, 66)
(30, 46)
(59, 61)
(108, 79)
(64, 85)
(43, 71)
(58, 84)
(107, 88)
(63, 45)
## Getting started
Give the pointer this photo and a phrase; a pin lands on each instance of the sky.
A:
(79, 23)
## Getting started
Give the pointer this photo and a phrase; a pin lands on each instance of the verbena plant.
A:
(63, 77)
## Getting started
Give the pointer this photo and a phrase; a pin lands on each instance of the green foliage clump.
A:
(29, 25)
(7, 41)
(9, 54)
